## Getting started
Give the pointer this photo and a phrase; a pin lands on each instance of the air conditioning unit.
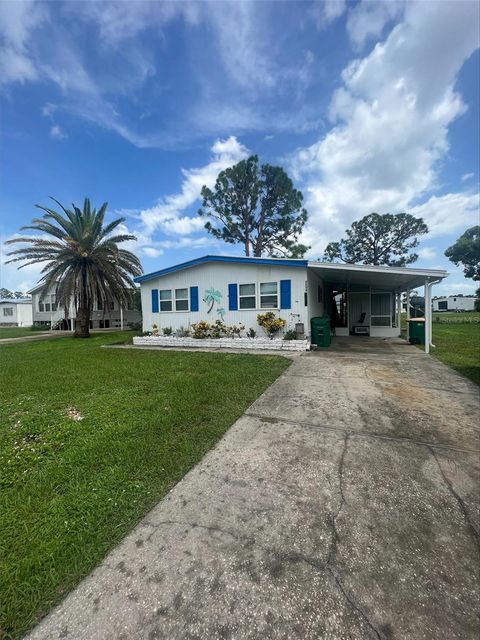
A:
(359, 330)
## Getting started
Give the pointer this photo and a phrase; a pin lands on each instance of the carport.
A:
(366, 299)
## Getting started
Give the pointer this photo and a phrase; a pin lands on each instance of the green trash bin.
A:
(416, 330)
(321, 331)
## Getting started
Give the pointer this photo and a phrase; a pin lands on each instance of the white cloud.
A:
(391, 119)
(448, 288)
(151, 252)
(18, 20)
(449, 213)
(167, 213)
(327, 11)
(368, 18)
(427, 253)
(57, 132)
(467, 176)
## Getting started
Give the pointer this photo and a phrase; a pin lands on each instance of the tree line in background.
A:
(250, 204)
(6, 294)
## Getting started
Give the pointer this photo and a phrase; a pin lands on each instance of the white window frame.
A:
(170, 300)
(10, 312)
(269, 295)
(258, 295)
(254, 295)
(182, 299)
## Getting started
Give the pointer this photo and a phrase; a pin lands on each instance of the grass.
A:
(91, 439)
(18, 332)
(458, 344)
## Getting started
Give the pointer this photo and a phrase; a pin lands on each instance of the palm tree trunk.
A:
(82, 328)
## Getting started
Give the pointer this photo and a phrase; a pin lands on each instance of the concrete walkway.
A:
(343, 504)
(40, 335)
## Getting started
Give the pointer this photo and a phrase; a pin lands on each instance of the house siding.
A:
(225, 278)
(22, 314)
(97, 318)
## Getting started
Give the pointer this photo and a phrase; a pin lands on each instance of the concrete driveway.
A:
(343, 504)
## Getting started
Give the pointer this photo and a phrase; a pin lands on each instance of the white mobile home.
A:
(454, 303)
(359, 299)
(47, 312)
(16, 312)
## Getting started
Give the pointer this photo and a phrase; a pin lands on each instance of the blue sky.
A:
(369, 106)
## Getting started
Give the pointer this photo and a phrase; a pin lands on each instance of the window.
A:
(109, 306)
(247, 296)
(181, 299)
(268, 295)
(47, 304)
(165, 300)
(8, 311)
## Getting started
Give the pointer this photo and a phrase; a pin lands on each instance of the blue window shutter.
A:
(193, 298)
(154, 300)
(232, 297)
(285, 294)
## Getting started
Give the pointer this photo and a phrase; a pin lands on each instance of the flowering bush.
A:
(201, 329)
(217, 329)
(270, 323)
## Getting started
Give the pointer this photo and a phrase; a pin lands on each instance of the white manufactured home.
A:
(16, 312)
(454, 303)
(360, 299)
(47, 312)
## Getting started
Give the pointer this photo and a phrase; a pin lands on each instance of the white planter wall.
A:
(225, 343)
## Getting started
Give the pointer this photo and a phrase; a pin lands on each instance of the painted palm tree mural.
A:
(212, 296)
(221, 312)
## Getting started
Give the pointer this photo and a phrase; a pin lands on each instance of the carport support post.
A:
(428, 317)
(399, 314)
(408, 314)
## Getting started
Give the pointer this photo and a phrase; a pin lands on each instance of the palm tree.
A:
(83, 260)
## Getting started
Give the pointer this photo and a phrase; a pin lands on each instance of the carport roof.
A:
(381, 277)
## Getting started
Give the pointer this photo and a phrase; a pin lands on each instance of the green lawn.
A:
(457, 342)
(458, 346)
(71, 489)
(17, 332)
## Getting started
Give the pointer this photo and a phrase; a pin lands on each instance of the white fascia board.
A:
(368, 268)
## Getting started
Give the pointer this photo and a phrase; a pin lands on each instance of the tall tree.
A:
(258, 207)
(6, 294)
(466, 251)
(83, 259)
(379, 239)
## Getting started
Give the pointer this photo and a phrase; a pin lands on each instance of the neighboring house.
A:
(359, 299)
(16, 312)
(454, 303)
(47, 312)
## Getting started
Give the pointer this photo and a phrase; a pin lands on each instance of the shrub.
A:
(270, 323)
(154, 330)
(235, 330)
(291, 334)
(167, 331)
(182, 332)
(201, 329)
(251, 333)
(218, 329)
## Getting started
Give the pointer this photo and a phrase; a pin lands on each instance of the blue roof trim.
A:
(276, 262)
